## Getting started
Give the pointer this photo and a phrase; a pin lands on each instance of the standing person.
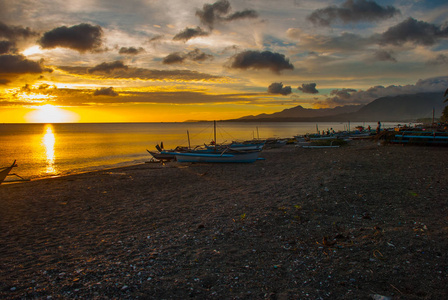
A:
(378, 128)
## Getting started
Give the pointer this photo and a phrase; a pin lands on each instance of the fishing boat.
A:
(217, 154)
(161, 156)
(4, 172)
(275, 143)
(210, 156)
(421, 138)
(244, 146)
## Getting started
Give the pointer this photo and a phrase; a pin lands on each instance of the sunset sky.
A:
(173, 60)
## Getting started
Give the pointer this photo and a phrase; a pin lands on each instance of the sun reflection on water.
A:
(48, 141)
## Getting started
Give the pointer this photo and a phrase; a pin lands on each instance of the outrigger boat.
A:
(4, 172)
(209, 156)
(217, 153)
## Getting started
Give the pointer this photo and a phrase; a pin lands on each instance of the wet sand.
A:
(340, 223)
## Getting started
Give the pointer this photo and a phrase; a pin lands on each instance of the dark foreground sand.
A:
(346, 223)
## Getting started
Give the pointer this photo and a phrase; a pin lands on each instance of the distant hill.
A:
(393, 108)
(403, 107)
(300, 112)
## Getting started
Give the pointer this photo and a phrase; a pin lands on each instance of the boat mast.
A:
(214, 127)
(188, 136)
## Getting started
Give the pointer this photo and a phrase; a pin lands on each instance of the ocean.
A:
(48, 150)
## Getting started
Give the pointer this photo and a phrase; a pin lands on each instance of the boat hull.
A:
(248, 157)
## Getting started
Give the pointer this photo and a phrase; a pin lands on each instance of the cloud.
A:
(308, 88)
(198, 55)
(189, 33)
(351, 96)
(245, 14)
(13, 33)
(19, 64)
(219, 12)
(92, 97)
(83, 37)
(413, 31)
(441, 59)
(155, 38)
(6, 47)
(105, 92)
(346, 42)
(352, 11)
(195, 55)
(174, 58)
(278, 88)
(131, 50)
(148, 74)
(257, 60)
(4, 81)
(211, 12)
(383, 55)
(108, 67)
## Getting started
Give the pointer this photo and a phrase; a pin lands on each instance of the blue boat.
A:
(209, 156)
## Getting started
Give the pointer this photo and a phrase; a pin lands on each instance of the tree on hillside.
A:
(444, 117)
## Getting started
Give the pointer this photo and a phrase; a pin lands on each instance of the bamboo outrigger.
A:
(4, 172)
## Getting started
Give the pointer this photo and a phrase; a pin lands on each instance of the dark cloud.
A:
(174, 58)
(13, 33)
(195, 55)
(198, 55)
(26, 88)
(351, 96)
(245, 14)
(147, 74)
(413, 31)
(91, 97)
(18, 64)
(383, 55)
(342, 97)
(155, 38)
(189, 33)
(44, 86)
(211, 12)
(352, 11)
(257, 60)
(342, 93)
(108, 67)
(441, 59)
(83, 37)
(131, 50)
(278, 88)
(105, 92)
(6, 47)
(219, 11)
(308, 88)
(4, 81)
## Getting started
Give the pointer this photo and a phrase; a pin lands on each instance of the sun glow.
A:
(48, 141)
(32, 50)
(51, 114)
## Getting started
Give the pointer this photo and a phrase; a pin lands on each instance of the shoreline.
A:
(340, 223)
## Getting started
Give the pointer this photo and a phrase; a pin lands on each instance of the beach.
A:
(356, 222)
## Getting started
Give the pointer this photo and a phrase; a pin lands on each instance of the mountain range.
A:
(409, 107)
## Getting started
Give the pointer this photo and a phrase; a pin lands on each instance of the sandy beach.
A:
(353, 222)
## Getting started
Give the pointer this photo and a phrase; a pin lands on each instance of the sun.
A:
(51, 114)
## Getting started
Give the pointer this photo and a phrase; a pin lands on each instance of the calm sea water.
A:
(45, 150)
